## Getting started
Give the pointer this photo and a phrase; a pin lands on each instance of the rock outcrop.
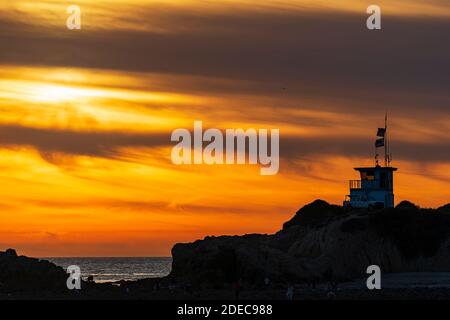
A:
(30, 278)
(322, 242)
(23, 274)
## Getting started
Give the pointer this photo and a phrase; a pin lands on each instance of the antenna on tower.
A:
(387, 146)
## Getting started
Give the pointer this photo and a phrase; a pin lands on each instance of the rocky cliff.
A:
(323, 242)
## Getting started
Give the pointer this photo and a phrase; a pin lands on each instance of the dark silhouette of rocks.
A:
(22, 274)
(406, 205)
(29, 278)
(314, 213)
(322, 242)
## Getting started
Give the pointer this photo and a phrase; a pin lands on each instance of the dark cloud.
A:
(106, 144)
(328, 56)
(102, 144)
(425, 152)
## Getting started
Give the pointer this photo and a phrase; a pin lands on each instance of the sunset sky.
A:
(86, 115)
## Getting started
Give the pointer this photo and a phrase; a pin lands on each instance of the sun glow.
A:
(85, 100)
(58, 93)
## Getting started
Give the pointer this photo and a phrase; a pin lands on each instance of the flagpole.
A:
(386, 141)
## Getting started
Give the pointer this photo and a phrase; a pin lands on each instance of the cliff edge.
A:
(322, 242)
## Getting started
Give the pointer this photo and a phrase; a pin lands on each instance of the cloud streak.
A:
(108, 144)
(102, 144)
(326, 56)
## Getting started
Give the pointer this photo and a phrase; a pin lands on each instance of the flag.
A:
(381, 132)
(379, 143)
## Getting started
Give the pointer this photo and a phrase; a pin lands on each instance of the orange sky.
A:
(85, 118)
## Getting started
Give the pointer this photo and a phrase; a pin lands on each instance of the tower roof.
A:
(376, 168)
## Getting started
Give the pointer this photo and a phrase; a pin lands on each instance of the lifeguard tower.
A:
(375, 189)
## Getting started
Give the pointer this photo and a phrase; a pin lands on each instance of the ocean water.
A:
(115, 269)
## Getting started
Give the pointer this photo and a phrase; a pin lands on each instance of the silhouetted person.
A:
(267, 282)
(237, 289)
(331, 295)
(290, 292)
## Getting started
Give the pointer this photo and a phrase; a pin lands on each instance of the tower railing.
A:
(369, 185)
